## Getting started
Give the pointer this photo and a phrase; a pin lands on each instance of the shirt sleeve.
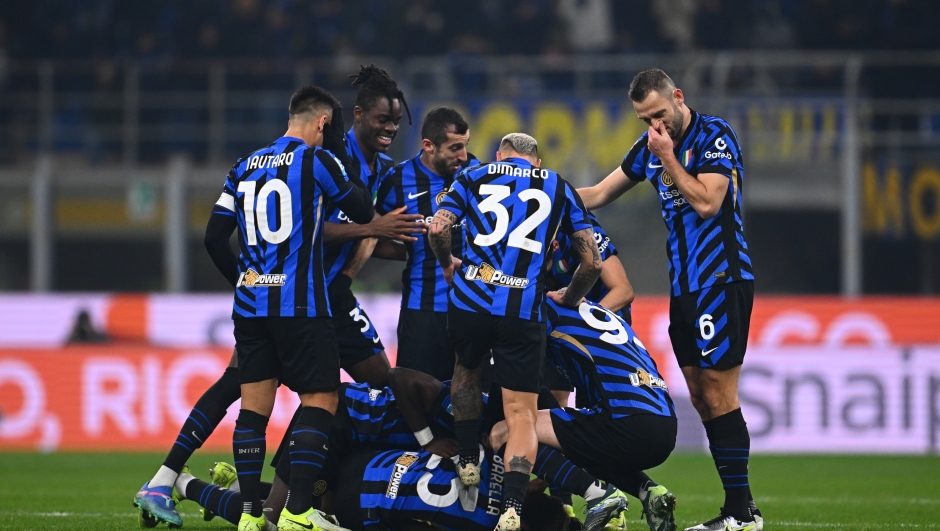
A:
(330, 175)
(632, 164)
(456, 199)
(604, 244)
(718, 151)
(574, 216)
(386, 198)
(225, 206)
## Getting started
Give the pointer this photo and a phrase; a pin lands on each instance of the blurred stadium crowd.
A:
(127, 29)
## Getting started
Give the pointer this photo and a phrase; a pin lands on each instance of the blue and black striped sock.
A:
(730, 446)
(309, 446)
(222, 502)
(248, 446)
(203, 419)
(552, 466)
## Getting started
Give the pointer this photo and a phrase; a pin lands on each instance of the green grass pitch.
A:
(94, 491)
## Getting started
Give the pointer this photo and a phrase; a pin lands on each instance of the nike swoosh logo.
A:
(655, 165)
(325, 448)
(305, 526)
(197, 437)
(707, 352)
(412, 196)
(375, 339)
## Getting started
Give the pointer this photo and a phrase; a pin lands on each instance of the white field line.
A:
(837, 500)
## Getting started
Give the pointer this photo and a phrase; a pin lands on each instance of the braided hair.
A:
(375, 83)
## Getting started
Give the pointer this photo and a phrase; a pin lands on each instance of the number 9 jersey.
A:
(513, 210)
(277, 195)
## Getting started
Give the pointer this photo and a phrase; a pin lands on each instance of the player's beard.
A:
(676, 126)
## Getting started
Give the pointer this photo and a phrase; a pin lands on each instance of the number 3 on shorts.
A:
(705, 326)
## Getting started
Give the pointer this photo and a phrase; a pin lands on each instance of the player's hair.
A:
(311, 99)
(648, 81)
(544, 513)
(521, 143)
(375, 83)
(437, 121)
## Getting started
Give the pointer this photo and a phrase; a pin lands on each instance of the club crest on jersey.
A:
(491, 275)
(666, 179)
(440, 197)
(641, 377)
(253, 279)
(402, 464)
(373, 394)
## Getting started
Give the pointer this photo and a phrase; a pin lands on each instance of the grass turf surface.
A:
(94, 491)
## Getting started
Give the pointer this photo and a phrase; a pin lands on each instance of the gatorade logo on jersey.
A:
(402, 464)
(641, 377)
(491, 275)
(252, 279)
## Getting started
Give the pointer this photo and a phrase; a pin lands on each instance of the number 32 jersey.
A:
(277, 195)
(513, 210)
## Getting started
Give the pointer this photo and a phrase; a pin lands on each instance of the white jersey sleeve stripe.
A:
(227, 202)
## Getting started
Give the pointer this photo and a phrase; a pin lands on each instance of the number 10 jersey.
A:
(513, 211)
(277, 195)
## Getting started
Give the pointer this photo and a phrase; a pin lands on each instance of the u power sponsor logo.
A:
(252, 279)
(402, 464)
(491, 275)
(641, 377)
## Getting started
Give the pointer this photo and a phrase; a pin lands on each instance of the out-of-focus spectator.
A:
(676, 20)
(588, 23)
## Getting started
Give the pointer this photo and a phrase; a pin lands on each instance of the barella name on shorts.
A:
(491, 275)
(253, 279)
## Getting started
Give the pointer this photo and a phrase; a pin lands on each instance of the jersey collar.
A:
(286, 138)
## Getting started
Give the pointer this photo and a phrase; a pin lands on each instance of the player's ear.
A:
(538, 163)
(357, 113)
(678, 97)
(499, 156)
(427, 145)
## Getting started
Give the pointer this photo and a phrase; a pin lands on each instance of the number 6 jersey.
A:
(277, 195)
(513, 210)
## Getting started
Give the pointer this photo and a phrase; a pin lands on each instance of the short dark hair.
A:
(648, 81)
(375, 83)
(311, 99)
(438, 120)
(544, 513)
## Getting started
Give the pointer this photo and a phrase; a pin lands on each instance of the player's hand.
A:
(443, 447)
(659, 141)
(396, 225)
(559, 297)
(449, 271)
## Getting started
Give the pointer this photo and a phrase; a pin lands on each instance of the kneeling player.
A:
(630, 425)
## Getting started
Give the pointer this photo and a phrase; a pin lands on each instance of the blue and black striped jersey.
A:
(375, 419)
(400, 487)
(335, 256)
(512, 211)
(701, 252)
(600, 354)
(278, 196)
(566, 260)
(413, 185)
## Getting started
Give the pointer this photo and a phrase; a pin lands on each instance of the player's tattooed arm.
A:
(519, 463)
(465, 395)
(440, 239)
(586, 274)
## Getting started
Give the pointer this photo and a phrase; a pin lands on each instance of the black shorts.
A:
(349, 510)
(300, 352)
(518, 347)
(552, 377)
(423, 344)
(357, 338)
(612, 449)
(709, 327)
